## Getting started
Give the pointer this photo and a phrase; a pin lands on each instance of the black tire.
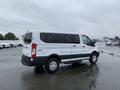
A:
(50, 68)
(4, 46)
(93, 58)
(11, 45)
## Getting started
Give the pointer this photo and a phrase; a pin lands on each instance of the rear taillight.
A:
(34, 48)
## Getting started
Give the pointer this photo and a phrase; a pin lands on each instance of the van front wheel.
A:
(93, 59)
(52, 65)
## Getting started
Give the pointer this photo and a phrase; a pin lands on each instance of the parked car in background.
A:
(13, 44)
(6, 45)
(10, 43)
(20, 43)
(1, 46)
(108, 43)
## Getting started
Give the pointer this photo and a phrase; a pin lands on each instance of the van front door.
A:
(77, 49)
(87, 45)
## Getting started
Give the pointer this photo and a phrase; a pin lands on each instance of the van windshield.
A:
(28, 38)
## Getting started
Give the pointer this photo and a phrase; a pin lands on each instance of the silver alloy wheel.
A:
(53, 65)
(94, 58)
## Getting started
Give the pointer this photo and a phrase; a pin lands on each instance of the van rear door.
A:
(27, 44)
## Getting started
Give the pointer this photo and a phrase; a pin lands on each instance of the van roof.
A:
(55, 32)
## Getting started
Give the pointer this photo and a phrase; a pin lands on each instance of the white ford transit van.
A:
(51, 49)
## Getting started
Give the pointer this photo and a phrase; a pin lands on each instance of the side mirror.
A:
(94, 42)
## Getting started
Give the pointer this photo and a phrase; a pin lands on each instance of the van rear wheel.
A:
(52, 65)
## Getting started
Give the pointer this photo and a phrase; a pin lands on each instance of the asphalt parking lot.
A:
(14, 76)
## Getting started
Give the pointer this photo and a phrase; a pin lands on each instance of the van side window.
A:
(76, 39)
(51, 38)
(87, 41)
(69, 38)
(59, 38)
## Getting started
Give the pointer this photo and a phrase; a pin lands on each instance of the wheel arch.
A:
(55, 56)
(95, 52)
(3, 46)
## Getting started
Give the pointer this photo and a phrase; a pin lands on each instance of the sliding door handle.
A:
(74, 45)
(83, 46)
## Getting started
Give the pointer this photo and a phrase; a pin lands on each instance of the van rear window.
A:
(28, 38)
(60, 38)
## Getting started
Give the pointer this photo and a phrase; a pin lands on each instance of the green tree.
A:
(1, 37)
(10, 36)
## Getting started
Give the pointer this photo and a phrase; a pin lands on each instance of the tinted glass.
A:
(69, 38)
(87, 41)
(75, 39)
(59, 38)
(28, 38)
(51, 38)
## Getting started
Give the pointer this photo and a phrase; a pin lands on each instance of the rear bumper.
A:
(28, 61)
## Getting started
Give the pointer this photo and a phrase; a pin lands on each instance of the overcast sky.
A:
(92, 17)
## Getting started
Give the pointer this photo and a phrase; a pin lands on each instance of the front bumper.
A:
(28, 61)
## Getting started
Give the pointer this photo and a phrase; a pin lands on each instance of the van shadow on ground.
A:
(80, 77)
